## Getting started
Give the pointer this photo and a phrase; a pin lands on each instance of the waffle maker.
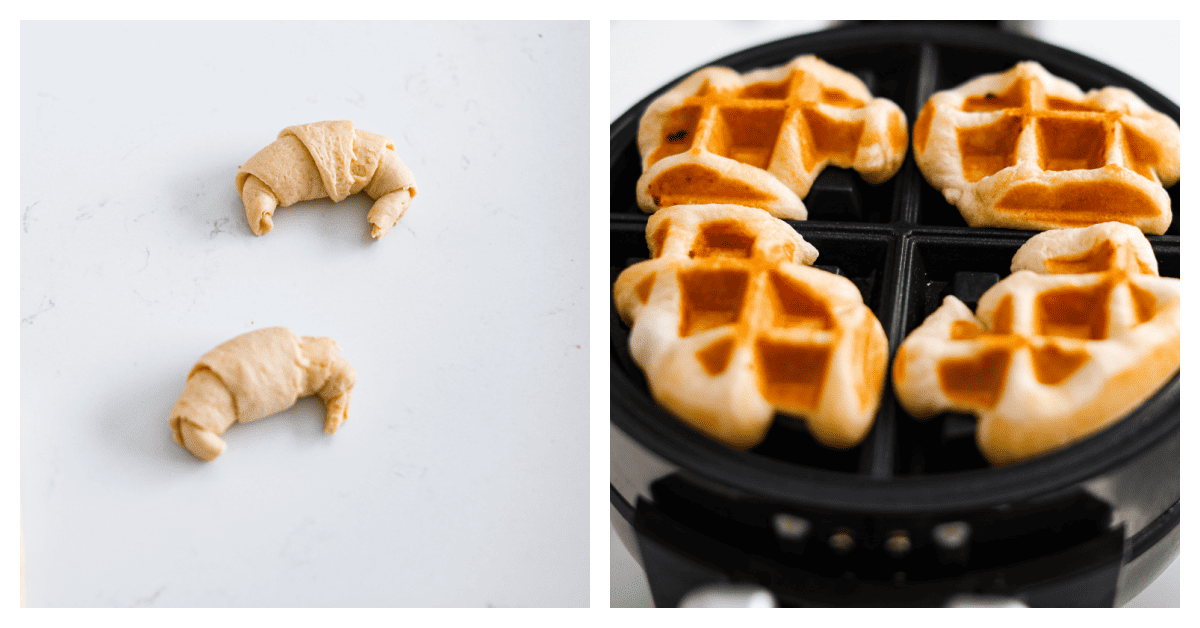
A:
(913, 516)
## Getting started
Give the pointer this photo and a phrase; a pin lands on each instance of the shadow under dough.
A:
(210, 200)
(335, 222)
(136, 425)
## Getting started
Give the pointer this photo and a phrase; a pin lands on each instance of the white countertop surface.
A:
(647, 55)
(461, 477)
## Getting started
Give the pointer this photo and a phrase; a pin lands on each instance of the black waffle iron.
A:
(913, 516)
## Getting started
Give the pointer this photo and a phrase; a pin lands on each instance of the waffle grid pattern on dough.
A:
(730, 324)
(761, 139)
(1028, 150)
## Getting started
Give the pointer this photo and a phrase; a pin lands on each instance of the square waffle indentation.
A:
(1140, 152)
(702, 184)
(710, 299)
(989, 149)
(829, 137)
(790, 375)
(722, 239)
(797, 305)
(747, 135)
(1071, 144)
(1053, 364)
(1015, 97)
(1077, 203)
(976, 380)
(1144, 302)
(658, 239)
(715, 357)
(1094, 260)
(838, 98)
(679, 132)
(766, 91)
(1062, 104)
(1080, 313)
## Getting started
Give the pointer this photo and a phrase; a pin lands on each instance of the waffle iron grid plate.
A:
(906, 249)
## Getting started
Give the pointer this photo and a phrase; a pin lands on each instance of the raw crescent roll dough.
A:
(256, 375)
(326, 159)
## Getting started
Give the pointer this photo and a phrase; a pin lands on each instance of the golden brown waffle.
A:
(761, 139)
(1081, 333)
(730, 324)
(1028, 150)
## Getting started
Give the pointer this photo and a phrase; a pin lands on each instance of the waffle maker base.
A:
(913, 516)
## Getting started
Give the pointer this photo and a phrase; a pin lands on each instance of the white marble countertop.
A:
(647, 55)
(461, 477)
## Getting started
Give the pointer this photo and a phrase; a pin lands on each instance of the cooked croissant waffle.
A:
(1081, 333)
(1028, 150)
(730, 324)
(761, 139)
(326, 159)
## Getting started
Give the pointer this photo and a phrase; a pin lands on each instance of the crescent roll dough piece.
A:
(326, 159)
(256, 375)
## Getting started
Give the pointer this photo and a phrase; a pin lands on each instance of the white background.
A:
(461, 477)
(647, 55)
